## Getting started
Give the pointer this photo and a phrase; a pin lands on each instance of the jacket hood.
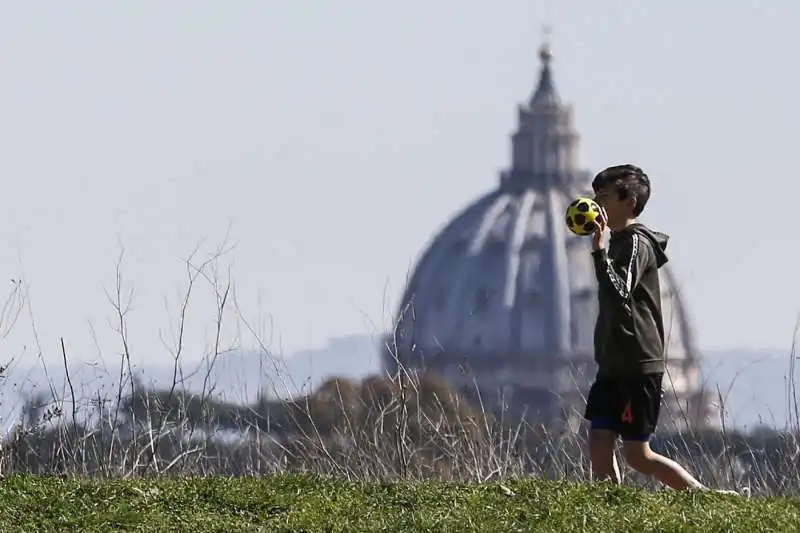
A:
(657, 239)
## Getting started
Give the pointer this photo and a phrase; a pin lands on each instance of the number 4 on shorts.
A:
(627, 413)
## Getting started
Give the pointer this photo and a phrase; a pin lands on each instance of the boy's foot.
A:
(745, 492)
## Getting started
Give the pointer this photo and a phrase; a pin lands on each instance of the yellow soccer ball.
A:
(581, 216)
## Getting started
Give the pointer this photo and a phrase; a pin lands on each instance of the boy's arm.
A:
(620, 276)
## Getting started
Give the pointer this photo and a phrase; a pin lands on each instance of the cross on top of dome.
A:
(545, 53)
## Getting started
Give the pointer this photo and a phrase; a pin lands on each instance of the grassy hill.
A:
(296, 503)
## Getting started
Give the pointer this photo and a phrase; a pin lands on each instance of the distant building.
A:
(503, 301)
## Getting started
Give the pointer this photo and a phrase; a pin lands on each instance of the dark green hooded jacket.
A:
(629, 334)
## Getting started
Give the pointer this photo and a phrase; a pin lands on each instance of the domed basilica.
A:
(502, 304)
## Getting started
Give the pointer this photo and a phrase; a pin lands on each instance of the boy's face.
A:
(618, 211)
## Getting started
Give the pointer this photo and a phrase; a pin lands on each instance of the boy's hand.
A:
(599, 231)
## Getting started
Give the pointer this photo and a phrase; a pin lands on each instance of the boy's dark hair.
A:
(629, 180)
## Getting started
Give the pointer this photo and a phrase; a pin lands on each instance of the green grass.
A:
(296, 503)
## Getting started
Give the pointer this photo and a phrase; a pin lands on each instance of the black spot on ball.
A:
(583, 207)
(580, 219)
(588, 227)
(574, 203)
(570, 223)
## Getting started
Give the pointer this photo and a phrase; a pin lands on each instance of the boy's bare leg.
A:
(641, 458)
(602, 444)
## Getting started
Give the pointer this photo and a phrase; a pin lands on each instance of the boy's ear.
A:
(632, 202)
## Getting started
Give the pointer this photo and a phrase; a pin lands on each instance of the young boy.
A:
(625, 398)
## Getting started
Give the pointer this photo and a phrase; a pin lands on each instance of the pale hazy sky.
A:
(330, 140)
